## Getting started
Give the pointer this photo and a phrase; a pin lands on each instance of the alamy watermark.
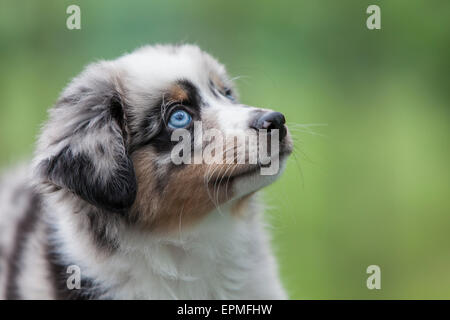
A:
(74, 280)
(73, 21)
(374, 280)
(373, 22)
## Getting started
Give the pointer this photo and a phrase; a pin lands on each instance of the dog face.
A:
(109, 140)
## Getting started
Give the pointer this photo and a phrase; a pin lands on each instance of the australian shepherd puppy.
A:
(104, 211)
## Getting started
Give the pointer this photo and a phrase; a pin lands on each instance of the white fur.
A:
(223, 257)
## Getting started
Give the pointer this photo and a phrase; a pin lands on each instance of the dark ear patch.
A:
(76, 172)
(92, 160)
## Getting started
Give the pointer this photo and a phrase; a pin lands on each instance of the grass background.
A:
(371, 187)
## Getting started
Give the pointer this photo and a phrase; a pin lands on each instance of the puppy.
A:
(105, 213)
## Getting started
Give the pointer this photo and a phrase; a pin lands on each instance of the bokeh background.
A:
(370, 180)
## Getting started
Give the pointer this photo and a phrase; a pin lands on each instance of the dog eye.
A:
(179, 119)
(229, 94)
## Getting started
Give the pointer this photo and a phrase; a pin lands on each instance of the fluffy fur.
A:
(103, 195)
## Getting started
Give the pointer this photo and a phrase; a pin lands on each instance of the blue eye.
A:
(179, 119)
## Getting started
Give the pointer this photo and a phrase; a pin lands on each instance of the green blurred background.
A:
(371, 182)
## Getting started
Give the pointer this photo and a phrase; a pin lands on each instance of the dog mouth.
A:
(245, 170)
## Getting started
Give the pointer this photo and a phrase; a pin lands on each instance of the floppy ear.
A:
(83, 147)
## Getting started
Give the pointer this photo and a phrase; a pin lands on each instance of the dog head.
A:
(113, 138)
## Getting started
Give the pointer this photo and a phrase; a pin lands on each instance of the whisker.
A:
(297, 162)
(209, 176)
(307, 124)
(240, 77)
(179, 227)
(221, 178)
(228, 180)
(308, 131)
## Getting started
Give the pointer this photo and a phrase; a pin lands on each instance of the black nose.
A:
(270, 121)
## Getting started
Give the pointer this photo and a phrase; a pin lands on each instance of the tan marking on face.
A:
(145, 175)
(177, 93)
(185, 198)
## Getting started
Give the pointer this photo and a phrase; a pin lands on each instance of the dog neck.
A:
(190, 262)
